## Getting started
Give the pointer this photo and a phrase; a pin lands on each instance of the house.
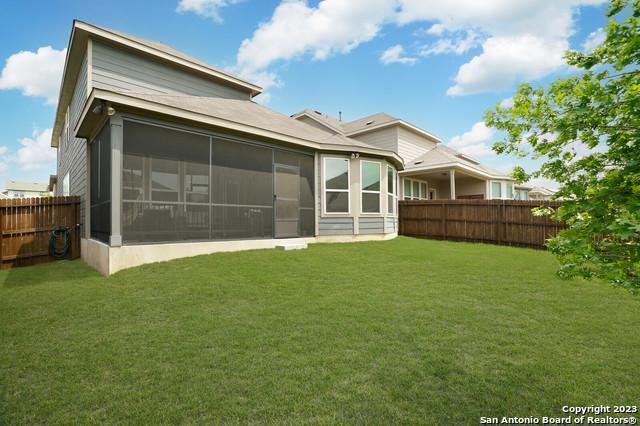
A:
(431, 170)
(521, 192)
(172, 158)
(16, 189)
(541, 193)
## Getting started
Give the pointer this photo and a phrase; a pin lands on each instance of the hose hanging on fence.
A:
(63, 234)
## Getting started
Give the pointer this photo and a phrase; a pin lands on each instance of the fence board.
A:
(507, 222)
(26, 225)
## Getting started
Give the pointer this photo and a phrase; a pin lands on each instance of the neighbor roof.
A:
(235, 114)
(443, 156)
(14, 185)
(542, 190)
(369, 123)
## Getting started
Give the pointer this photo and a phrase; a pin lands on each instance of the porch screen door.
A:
(287, 201)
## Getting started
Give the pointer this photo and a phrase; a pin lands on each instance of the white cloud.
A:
(594, 40)
(295, 29)
(36, 74)
(474, 142)
(4, 160)
(457, 45)
(205, 8)
(36, 152)
(515, 49)
(394, 54)
(506, 61)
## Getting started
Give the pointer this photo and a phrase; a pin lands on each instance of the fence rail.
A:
(507, 222)
(26, 225)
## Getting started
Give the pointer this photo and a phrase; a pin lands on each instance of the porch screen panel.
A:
(304, 164)
(165, 184)
(100, 185)
(242, 190)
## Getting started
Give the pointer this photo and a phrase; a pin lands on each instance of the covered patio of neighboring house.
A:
(445, 174)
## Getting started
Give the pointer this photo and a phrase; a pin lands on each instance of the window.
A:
(415, 190)
(509, 190)
(65, 185)
(496, 190)
(407, 189)
(392, 195)
(525, 195)
(370, 173)
(336, 185)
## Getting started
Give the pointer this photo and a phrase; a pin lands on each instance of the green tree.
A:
(586, 131)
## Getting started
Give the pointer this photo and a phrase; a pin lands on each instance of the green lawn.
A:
(403, 331)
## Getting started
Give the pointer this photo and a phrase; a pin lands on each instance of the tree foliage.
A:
(586, 130)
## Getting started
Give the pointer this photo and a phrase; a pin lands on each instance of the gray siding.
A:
(72, 151)
(411, 145)
(390, 225)
(371, 225)
(118, 69)
(383, 138)
(335, 226)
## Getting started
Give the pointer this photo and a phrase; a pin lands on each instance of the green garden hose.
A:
(64, 234)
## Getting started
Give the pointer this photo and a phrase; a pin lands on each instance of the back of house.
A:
(171, 157)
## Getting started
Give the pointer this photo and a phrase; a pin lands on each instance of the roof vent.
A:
(317, 112)
(368, 122)
(419, 162)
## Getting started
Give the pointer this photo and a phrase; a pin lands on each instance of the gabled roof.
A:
(14, 185)
(240, 115)
(442, 156)
(82, 31)
(363, 125)
(542, 190)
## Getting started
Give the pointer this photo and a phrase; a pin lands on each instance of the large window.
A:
(180, 186)
(370, 178)
(415, 189)
(509, 190)
(392, 190)
(100, 185)
(336, 185)
(496, 190)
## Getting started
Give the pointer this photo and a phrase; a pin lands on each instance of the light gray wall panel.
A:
(119, 69)
(71, 156)
(384, 138)
(371, 225)
(411, 145)
(390, 225)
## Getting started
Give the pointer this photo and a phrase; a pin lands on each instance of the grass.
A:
(404, 331)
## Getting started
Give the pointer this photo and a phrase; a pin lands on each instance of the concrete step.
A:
(291, 246)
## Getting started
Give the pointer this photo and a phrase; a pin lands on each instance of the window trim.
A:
(394, 194)
(66, 185)
(324, 186)
(493, 197)
(379, 192)
(420, 197)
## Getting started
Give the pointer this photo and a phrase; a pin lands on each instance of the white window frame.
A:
(66, 188)
(379, 192)
(324, 187)
(394, 194)
(420, 195)
(503, 190)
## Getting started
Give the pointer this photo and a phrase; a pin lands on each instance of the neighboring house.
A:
(53, 183)
(172, 158)
(541, 193)
(16, 189)
(521, 192)
(431, 170)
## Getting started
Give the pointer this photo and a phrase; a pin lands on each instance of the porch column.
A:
(452, 183)
(116, 180)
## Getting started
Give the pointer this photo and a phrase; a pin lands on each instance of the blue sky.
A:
(436, 64)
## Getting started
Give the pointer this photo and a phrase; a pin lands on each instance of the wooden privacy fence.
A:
(508, 222)
(26, 225)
